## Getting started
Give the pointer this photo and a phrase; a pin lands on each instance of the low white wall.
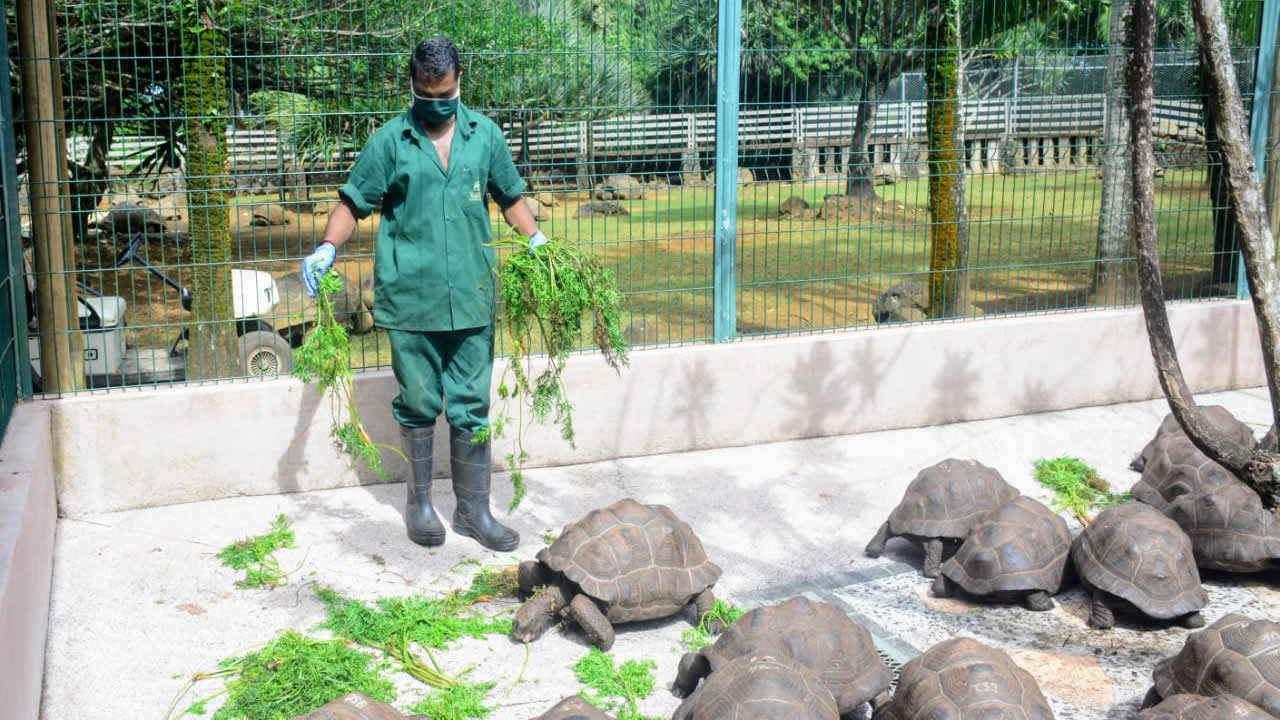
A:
(137, 448)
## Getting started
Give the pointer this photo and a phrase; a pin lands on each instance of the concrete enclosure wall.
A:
(28, 515)
(170, 445)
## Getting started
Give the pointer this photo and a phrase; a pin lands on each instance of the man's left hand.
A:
(536, 241)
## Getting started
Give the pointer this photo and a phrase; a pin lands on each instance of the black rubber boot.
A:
(469, 463)
(420, 519)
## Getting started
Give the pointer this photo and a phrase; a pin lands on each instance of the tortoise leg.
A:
(1100, 615)
(932, 558)
(532, 574)
(1192, 620)
(879, 701)
(686, 707)
(942, 587)
(537, 614)
(1038, 601)
(693, 667)
(876, 546)
(586, 613)
(1151, 699)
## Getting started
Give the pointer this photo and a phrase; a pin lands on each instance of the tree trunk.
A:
(1225, 247)
(1112, 280)
(211, 346)
(947, 228)
(860, 185)
(1257, 467)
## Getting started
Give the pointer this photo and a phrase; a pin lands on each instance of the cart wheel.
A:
(265, 354)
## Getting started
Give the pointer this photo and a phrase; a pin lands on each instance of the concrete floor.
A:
(140, 602)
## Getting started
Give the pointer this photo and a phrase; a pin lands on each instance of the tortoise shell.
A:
(1170, 428)
(1135, 553)
(640, 560)
(947, 499)
(1020, 546)
(819, 636)
(1178, 468)
(1236, 655)
(1229, 528)
(574, 707)
(763, 686)
(1195, 707)
(962, 678)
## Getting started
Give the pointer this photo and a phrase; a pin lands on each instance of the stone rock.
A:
(620, 187)
(601, 208)
(745, 176)
(795, 207)
(547, 199)
(535, 207)
(904, 302)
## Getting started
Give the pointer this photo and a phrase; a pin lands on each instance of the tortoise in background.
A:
(1021, 550)
(941, 506)
(818, 635)
(1236, 655)
(760, 686)
(1229, 528)
(574, 707)
(1133, 558)
(1194, 707)
(622, 563)
(962, 678)
(1170, 429)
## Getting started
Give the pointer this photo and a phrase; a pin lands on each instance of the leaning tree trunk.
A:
(1225, 263)
(860, 184)
(1112, 282)
(211, 343)
(949, 237)
(1258, 467)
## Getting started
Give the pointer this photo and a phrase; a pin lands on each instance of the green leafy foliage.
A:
(1076, 486)
(325, 359)
(699, 637)
(393, 624)
(547, 298)
(616, 690)
(293, 675)
(256, 556)
(456, 703)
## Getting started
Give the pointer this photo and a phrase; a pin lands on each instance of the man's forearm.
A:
(520, 216)
(342, 222)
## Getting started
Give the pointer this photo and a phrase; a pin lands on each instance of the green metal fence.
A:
(777, 182)
(14, 380)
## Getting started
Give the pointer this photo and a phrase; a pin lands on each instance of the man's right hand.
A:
(315, 265)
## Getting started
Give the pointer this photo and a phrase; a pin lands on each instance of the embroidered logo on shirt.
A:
(476, 195)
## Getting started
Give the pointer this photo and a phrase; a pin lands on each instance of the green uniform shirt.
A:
(431, 269)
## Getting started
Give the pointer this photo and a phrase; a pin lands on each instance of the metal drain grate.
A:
(894, 668)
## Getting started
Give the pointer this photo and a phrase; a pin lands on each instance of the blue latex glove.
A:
(315, 265)
(536, 241)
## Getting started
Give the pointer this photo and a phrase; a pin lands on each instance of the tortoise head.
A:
(539, 613)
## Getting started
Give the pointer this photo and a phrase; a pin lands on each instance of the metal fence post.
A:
(13, 231)
(1260, 117)
(728, 64)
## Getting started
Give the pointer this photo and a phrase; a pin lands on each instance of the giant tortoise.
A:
(622, 563)
(1171, 429)
(1236, 655)
(962, 678)
(1194, 707)
(574, 707)
(760, 686)
(1021, 550)
(941, 506)
(1229, 528)
(1133, 558)
(816, 634)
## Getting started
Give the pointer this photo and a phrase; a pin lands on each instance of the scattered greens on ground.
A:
(456, 703)
(1076, 486)
(698, 637)
(393, 624)
(256, 556)
(325, 358)
(550, 537)
(292, 675)
(616, 690)
(547, 296)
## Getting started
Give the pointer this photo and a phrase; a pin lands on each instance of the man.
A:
(428, 170)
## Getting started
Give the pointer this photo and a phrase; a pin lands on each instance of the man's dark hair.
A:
(434, 58)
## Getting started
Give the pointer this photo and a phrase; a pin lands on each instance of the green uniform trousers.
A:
(453, 368)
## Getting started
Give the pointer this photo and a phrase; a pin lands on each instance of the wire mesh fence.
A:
(206, 141)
